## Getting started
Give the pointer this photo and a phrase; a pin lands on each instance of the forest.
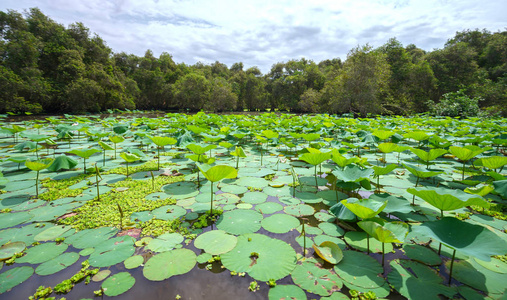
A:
(48, 68)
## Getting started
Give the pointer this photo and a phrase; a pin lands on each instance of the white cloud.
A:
(265, 32)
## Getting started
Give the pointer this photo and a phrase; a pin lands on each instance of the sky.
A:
(263, 32)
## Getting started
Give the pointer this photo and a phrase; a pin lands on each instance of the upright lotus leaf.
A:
(315, 158)
(262, 257)
(169, 263)
(36, 138)
(383, 134)
(479, 190)
(162, 141)
(353, 174)
(364, 208)
(84, 154)
(465, 154)
(492, 162)
(380, 171)
(105, 147)
(29, 145)
(420, 173)
(270, 134)
(341, 212)
(62, 162)
(427, 157)
(238, 152)
(341, 160)
(329, 252)
(198, 149)
(417, 281)
(226, 145)
(501, 187)
(385, 232)
(129, 158)
(215, 174)
(310, 137)
(116, 139)
(38, 166)
(418, 136)
(472, 240)
(447, 199)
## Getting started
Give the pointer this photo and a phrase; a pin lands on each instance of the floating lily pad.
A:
(282, 292)
(308, 197)
(52, 233)
(357, 240)
(141, 216)
(57, 264)
(420, 282)
(86, 251)
(234, 189)
(280, 223)
(254, 182)
(157, 196)
(310, 230)
(181, 190)
(478, 277)
(254, 197)
(165, 242)
(332, 229)
(244, 205)
(170, 263)
(324, 217)
(275, 259)
(494, 265)
(329, 252)
(299, 210)
(268, 208)
(225, 198)
(50, 212)
(24, 234)
(215, 242)
(319, 239)
(42, 253)
(316, 280)
(278, 192)
(360, 269)
(13, 277)
(240, 221)
(204, 257)
(422, 254)
(118, 284)
(101, 275)
(90, 237)
(112, 251)
(8, 250)
(169, 212)
(289, 200)
(12, 219)
(336, 296)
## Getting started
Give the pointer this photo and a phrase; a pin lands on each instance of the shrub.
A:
(455, 104)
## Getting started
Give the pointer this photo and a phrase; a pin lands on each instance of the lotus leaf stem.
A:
(452, 265)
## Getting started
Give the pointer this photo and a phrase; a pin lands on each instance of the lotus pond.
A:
(261, 206)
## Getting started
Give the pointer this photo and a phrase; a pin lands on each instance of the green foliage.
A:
(455, 104)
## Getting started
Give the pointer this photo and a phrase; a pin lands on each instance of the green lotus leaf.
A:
(280, 223)
(329, 252)
(105, 146)
(101, 275)
(254, 197)
(90, 237)
(168, 264)
(270, 134)
(479, 191)
(495, 265)
(84, 153)
(465, 153)
(57, 264)
(274, 258)
(428, 156)
(473, 240)
(240, 221)
(8, 250)
(378, 171)
(13, 277)
(52, 233)
(316, 280)
(282, 292)
(238, 151)
(42, 253)
(387, 147)
(385, 232)
(204, 258)
(353, 174)
(447, 199)
(169, 212)
(118, 284)
(492, 162)
(112, 251)
(310, 137)
(215, 242)
(218, 172)
(254, 182)
(360, 269)
(226, 145)
(417, 281)
(416, 135)
(364, 208)
(12, 219)
(342, 161)
(383, 134)
(38, 165)
(477, 276)
(315, 158)
(422, 254)
(299, 210)
(268, 208)
(165, 242)
(501, 187)
(129, 157)
(341, 212)
(162, 141)
(62, 162)
(181, 190)
(133, 262)
(331, 229)
(420, 172)
(198, 149)
(29, 145)
(116, 138)
(358, 240)
(394, 204)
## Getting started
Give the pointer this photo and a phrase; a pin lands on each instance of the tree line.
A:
(45, 67)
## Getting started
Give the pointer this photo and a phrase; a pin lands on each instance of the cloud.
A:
(263, 32)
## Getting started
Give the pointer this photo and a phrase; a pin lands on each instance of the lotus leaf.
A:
(387, 147)
(240, 221)
(331, 229)
(422, 254)
(316, 280)
(447, 199)
(275, 259)
(42, 253)
(364, 208)
(322, 238)
(492, 162)
(329, 252)
(204, 258)
(280, 223)
(494, 265)
(383, 231)
(12, 219)
(299, 210)
(254, 197)
(90, 237)
(315, 158)
(169, 212)
(357, 240)
(254, 182)
(234, 189)
(268, 208)
(342, 212)
(215, 242)
(360, 269)
(198, 149)
(118, 284)
(62, 162)
(181, 190)
(52, 233)
(49, 212)
(394, 204)
(112, 251)
(473, 240)
(8, 250)
(101, 275)
(353, 174)
(57, 264)
(165, 242)
(170, 263)
(501, 187)
(13, 277)
(421, 282)
(282, 292)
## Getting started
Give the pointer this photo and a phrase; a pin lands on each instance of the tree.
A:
(192, 91)
(222, 97)
(309, 101)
